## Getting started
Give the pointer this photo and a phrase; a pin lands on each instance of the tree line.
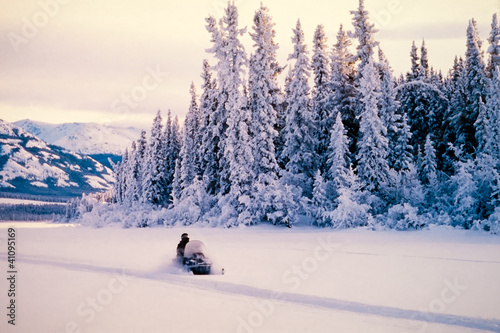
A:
(344, 141)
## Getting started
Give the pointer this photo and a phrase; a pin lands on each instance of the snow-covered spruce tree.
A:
(455, 94)
(342, 75)
(464, 211)
(154, 182)
(176, 184)
(171, 146)
(279, 143)
(349, 210)
(218, 177)
(210, 132)
(344, 207)
(299, 151)
(237, 152)
(138, 167)
(482, 127)
(429, 178)
(414, 73)
(487, 162)
(428, 165)
(398, 132)
(321, 95)
(264, 94)
(338, 155)
(492, 142)
(175, 146)
(487, 180)
(473, 87)
(189, 151)
(494, 47)
(189, 195)
(364, 32)
(424, 103)
(129, 172)
(474, 191)
(264, 100)
(410, 188)
(423, 71)
(320, 201)
(372, 167)
(119, 187)
(131, 175)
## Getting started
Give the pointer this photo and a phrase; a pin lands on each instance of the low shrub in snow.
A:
(402, 217)
(348, 213)
(492, 224)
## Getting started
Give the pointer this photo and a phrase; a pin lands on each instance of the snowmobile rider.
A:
(181, 246)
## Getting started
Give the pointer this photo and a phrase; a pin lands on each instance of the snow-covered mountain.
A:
(84, 138)
(30, 165)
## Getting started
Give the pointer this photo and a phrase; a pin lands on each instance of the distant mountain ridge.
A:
(30, 165)
(83, 138)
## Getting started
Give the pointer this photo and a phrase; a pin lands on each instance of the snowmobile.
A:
(195, 259)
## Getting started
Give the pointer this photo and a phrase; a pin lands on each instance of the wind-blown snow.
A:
(276, 280)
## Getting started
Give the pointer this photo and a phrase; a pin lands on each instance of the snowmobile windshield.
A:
(194, 247)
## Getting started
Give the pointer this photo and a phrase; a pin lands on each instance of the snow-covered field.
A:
(78, 279)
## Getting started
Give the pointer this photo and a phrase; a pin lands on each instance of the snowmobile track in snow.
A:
(492, 325)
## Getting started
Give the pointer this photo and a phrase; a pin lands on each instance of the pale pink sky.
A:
(120, 61)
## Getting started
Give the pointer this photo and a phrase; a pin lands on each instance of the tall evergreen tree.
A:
(238, 157)
(424, 72)
(428, 167)
(299, 150)
(456, 96)
(414, 74)
(154, 180)
(473, 87)
(492, 142)
(281, 122)
(364, 32)
(210, 131)
(264, 94)
(320, 200)
(424, 103)
(465, 204)
(342, 83)
(372, 167)
(264, 103)
(131, 176)
(482, 127)
(338, 159)
(139, 167)
(218, 120)
(494, 47)
(189, 151)
(394, 119)
(120, 185)
(321, 93)
(171, 149)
